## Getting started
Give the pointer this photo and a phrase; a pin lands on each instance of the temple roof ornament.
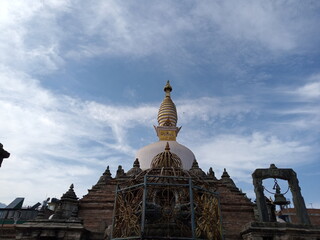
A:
(70, 194)
(120, 172)
(135, 169)
(226, 179)
(196, 170)
(107, 172)
(105, 176)
(225, 174)
(166, 159)
(211, 174)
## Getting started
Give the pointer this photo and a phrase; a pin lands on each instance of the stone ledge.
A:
(259, 230)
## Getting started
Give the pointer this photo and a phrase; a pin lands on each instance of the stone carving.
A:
(120, 172)
(196, 170)
(106, 176)
(135, 170)
(226, 179)
(211, 174)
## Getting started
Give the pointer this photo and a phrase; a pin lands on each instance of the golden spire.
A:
(167, 115)
(167, 129)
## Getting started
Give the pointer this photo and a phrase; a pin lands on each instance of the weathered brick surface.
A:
(7, 232)
(314, 215)
(236, 210)
(96, 208)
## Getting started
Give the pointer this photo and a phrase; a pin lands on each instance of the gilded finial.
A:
(167, 89)
(167, 147)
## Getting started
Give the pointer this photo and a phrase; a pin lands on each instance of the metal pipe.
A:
(144, 206)
(193, 225)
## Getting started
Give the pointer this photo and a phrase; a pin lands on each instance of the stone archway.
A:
(285, 174)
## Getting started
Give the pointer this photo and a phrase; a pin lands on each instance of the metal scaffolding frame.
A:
(166, 207)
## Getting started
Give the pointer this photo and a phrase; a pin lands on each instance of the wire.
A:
(276, 183)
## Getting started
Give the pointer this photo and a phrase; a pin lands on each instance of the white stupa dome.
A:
(147, 153)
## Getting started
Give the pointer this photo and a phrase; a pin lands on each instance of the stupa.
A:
(167, 132)
(166, 195)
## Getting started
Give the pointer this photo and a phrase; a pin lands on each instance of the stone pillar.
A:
(298, 200)
(260, 198)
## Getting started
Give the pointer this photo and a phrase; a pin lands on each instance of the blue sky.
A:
(81, 83)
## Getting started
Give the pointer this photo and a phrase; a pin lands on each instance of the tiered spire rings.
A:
(167, 115)
(167, 129)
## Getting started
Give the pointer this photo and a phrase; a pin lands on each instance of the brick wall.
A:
(314, 215)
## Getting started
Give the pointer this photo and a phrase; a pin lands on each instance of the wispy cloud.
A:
(310, 91)
(301, 108)
(208, 109)
(30, 39)
(42, 36)
(263, 23)
(241, 154)
(49, 136)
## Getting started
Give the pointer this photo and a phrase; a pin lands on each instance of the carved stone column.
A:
(260, 198)
(298, 200)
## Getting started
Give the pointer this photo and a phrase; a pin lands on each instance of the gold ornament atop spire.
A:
(167, 115)
(167, 89)
(167, 129)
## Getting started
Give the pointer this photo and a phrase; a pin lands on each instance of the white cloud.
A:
(242, 154)
(178, 36)
(309, 91)
(30, 38)
(40, 36)
(210, 109)
(303, 110)
(264, 23)
(51, 139)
